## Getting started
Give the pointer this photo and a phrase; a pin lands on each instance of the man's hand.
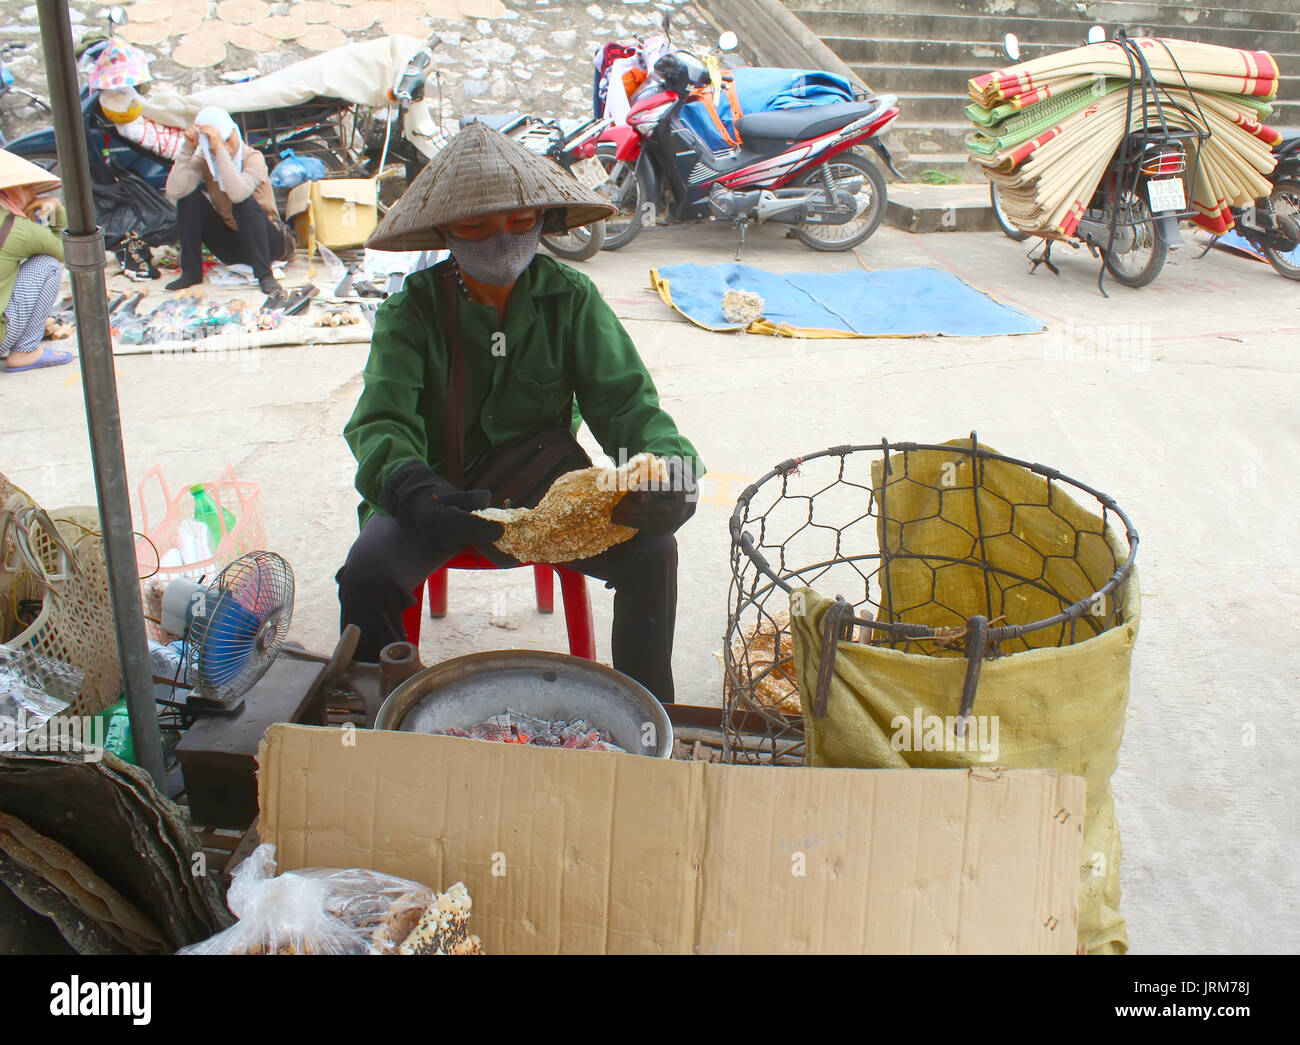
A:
(424, 502)
(192, 137)
(660, 512)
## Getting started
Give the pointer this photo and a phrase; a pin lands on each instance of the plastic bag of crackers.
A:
(338, 911)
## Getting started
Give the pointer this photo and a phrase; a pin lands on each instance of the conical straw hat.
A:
(15, 171)
(481, 171)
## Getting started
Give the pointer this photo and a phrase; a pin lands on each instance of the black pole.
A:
(83, 245)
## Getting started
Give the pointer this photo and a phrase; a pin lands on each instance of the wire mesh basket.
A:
(927, 549)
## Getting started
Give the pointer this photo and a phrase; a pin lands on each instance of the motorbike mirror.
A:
(1096, 35)
(117, 16)
(1012, 46)
(728, 41)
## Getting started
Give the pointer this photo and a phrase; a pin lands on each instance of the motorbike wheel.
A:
(577, 244)
(1140, 265)
(629, 195)
(870, 211)
(1000, 216)
(1286, 201)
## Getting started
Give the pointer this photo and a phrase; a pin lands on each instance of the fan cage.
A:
(240, 626)
(814, 521)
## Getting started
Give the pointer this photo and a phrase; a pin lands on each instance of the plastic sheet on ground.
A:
(909, 302)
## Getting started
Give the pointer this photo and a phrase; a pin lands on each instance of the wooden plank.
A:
(247, 843)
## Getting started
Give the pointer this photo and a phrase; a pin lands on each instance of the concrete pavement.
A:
(1190, 423)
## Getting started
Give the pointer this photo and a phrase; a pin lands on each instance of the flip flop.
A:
(51, 357)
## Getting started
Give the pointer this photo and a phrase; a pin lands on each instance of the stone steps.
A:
(953, 23)
(973, 51)
(925, 51)
(1264, 13)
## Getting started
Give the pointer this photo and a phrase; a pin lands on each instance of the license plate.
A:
(1166, 194)
(590, 172)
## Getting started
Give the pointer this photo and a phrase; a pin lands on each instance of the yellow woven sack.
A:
(1041, 705)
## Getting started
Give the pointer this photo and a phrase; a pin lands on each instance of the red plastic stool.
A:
(573, 590)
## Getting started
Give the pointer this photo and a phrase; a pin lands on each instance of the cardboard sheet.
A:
(587, 852)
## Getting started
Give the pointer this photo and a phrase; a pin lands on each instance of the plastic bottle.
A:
(206, 513)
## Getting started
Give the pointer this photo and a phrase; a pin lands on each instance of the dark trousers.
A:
(254, 243)
(387, 564)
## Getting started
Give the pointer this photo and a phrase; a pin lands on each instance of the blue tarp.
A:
(891, 302)
(764, 90)
(1236, 241)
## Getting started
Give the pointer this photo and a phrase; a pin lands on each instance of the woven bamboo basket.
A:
(75, 622)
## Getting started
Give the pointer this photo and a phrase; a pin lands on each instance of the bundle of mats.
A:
(1046, 129)
(907, 302)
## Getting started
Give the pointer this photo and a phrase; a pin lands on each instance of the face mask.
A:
(499, 259)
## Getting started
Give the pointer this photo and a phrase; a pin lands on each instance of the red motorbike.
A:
(792, 166)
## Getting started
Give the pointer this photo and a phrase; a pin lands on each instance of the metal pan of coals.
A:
(466, 690)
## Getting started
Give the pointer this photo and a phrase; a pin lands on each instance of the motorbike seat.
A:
(811, 121)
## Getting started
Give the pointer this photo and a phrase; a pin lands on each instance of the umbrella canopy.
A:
(481, 171)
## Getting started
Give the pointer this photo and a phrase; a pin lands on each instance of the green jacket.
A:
(26, 239)
(559, 340)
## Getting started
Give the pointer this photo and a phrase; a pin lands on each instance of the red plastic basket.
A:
(241, 499)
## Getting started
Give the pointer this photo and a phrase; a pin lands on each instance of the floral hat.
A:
(119, 65)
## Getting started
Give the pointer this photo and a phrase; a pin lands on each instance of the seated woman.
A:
(224, 202)
(473, 373)
(31, 263)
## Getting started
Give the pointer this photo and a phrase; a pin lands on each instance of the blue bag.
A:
(293, 170)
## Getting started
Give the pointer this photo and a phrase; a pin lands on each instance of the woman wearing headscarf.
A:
(474, 371)
(224, 202)
(31, 263)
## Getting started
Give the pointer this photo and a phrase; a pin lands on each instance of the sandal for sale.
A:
(294, 303)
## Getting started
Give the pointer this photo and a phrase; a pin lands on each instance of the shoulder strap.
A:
(706, 96)
(454, 409)
(6, 228)
(729, 85)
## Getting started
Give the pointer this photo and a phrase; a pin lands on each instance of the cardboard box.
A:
(339, 213)
(587, 852)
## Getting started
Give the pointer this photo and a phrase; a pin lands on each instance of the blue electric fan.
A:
(233, 628)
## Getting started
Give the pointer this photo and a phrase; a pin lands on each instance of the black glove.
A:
(660, 512)
(426, 504)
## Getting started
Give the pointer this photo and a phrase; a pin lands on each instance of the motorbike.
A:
(793, 166)
(327, 128)
(421, 134)
(1133, 218)
(1272, 224)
